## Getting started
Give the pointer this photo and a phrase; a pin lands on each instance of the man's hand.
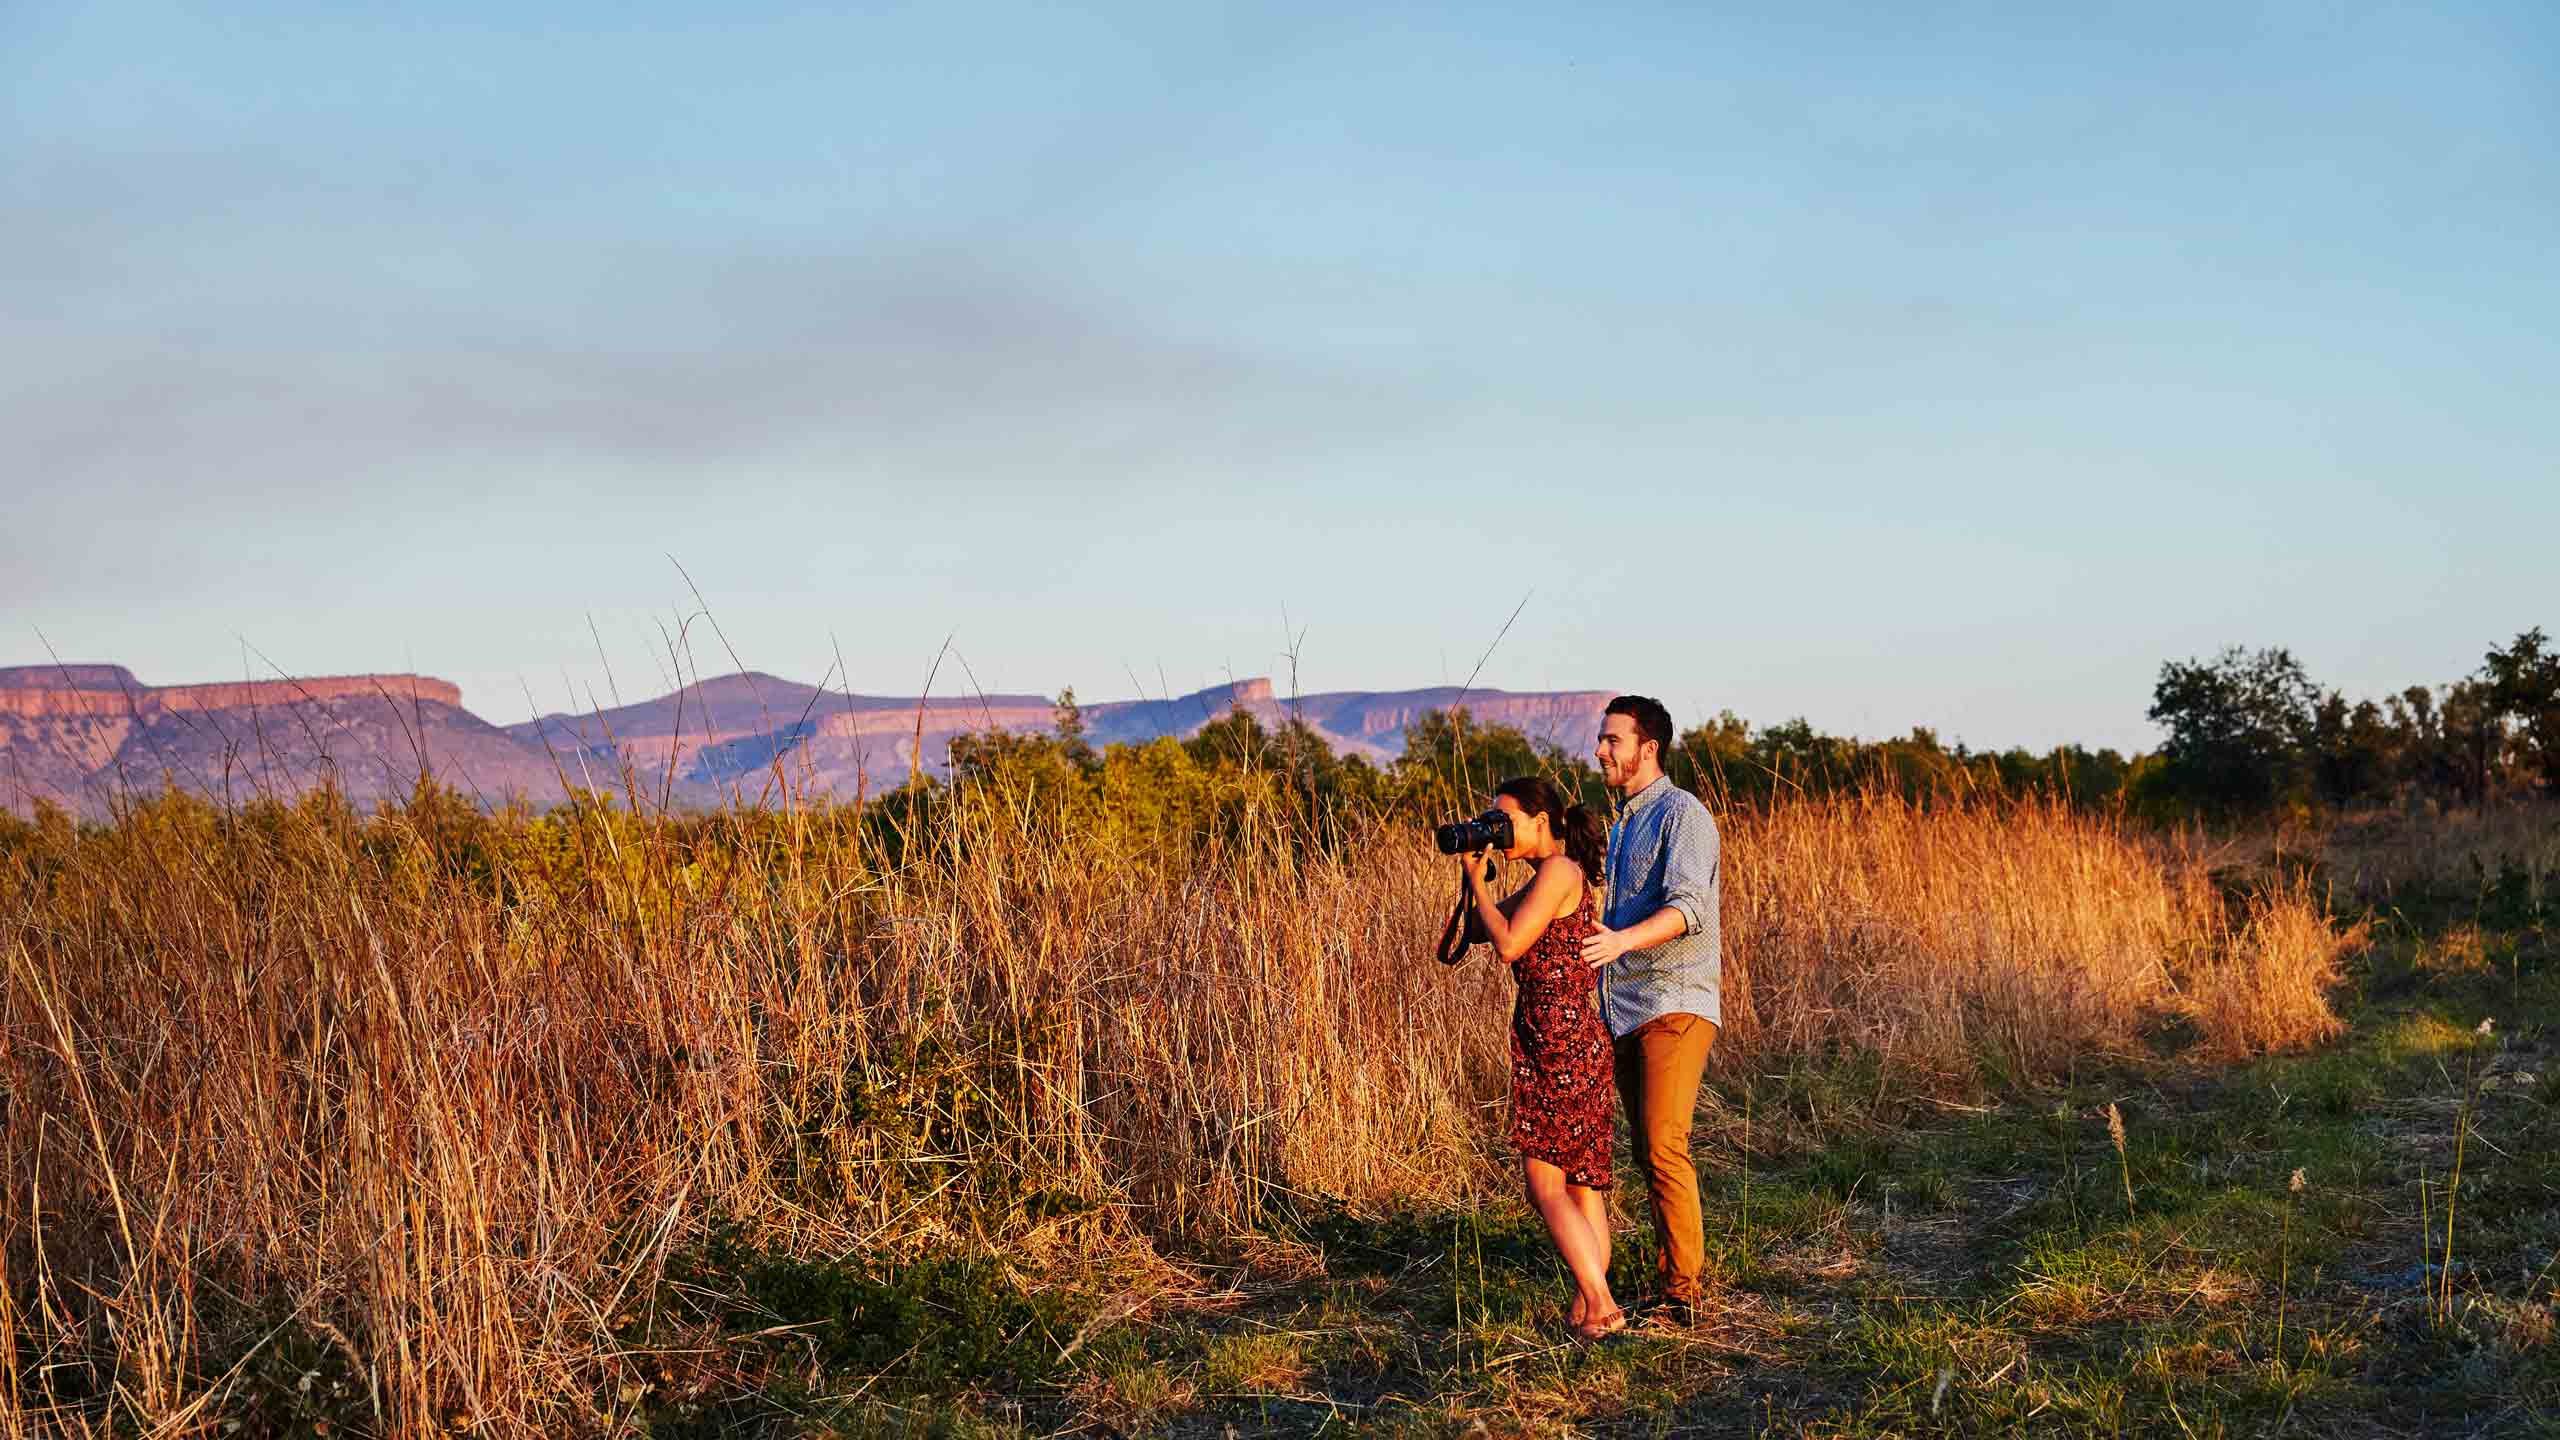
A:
(1604, 946)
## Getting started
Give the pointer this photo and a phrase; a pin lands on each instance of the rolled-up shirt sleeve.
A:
(1689, 867)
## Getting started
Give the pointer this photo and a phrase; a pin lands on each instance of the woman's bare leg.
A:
(1595, 1212)
(1594, 1205)
(1574, 1237)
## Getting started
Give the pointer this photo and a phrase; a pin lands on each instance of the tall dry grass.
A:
(2004, 938)
(295, 1074)
(2383, 855)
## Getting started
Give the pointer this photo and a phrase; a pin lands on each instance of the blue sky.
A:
(1937, 364)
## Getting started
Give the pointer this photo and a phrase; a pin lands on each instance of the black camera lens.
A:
(1488, 831)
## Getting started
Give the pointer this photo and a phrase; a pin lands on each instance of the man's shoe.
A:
(1672, 1312)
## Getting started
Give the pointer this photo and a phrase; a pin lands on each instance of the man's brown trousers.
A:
(1658, 1065)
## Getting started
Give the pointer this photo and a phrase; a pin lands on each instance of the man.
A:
(1660, 972)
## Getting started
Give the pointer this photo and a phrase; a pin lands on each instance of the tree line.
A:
(2249, 731)
(2246, 732)
(1450, 761)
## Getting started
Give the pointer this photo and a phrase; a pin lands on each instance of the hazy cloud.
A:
(164, 353)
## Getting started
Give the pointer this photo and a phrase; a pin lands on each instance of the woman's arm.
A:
(1514, 925)
(1465, 929)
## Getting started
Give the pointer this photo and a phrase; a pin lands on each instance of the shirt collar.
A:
(1660, 787)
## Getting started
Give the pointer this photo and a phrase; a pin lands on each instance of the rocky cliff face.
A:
(82, 738)
(32, 704)
(722, 738)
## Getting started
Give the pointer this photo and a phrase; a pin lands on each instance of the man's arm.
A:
(1688, 891)
(1606, 944)
(1689, 875)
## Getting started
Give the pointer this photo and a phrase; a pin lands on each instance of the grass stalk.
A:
(2284, 1258)
(2453, 1182)
(2124, 1164)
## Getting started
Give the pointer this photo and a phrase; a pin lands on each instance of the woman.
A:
(1562, 1103)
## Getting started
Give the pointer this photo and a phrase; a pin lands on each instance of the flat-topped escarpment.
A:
(67, 677)
(66, 692)
(937, 717)
(1367, 715)
(239, 694)
(371, 737)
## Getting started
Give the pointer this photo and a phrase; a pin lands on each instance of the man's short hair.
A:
(1652, 721)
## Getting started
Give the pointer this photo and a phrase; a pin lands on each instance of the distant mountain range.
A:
(78, 735)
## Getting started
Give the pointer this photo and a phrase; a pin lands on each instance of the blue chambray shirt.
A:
(1664, 851)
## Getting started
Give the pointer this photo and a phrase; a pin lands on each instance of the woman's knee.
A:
(1544, 1187)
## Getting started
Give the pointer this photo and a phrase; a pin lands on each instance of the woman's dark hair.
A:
(1585, 840)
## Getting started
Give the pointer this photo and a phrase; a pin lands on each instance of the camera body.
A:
(1488, 831)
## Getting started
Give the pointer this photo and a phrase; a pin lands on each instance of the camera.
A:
(1488, 831)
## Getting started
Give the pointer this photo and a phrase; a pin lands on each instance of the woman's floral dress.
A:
(1563, 1106)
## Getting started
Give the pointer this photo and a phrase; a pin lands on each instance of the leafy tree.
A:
(1233, 739)
(2089, 777)
(1034, 771)
(1069, 728)
(2417, 731)
(1157, 790)
(1295, 759)
(2354, 753)
(1919, 764)
(2474, 734)
(2239, 727)
(1323, 781)
(1795, 756)
(1727, 760)
(2524, 685)
(1452, 760)
(1305, 755)
(1712, 758)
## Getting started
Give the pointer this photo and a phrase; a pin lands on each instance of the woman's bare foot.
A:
(1575, 1312)
(1602, 1326)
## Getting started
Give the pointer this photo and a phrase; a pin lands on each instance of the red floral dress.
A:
(1563, 1106)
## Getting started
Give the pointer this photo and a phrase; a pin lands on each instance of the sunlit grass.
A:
(450, 1097)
